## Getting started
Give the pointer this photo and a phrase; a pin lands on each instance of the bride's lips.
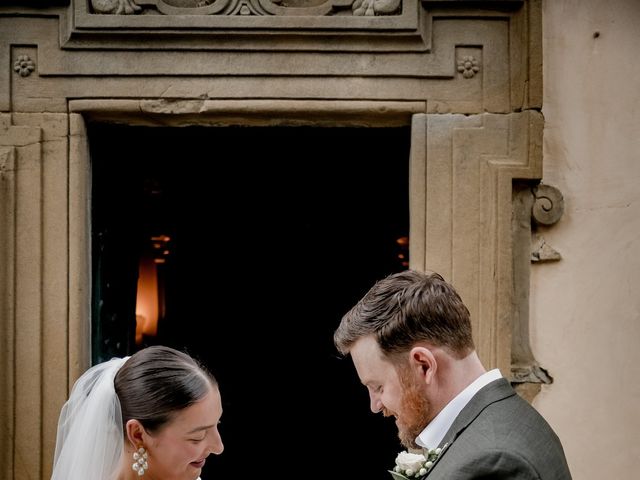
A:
(199, 463)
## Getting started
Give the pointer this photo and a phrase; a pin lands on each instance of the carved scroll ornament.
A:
(548, 207)
(250, 7)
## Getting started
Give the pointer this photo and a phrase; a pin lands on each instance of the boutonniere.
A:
(415, 466)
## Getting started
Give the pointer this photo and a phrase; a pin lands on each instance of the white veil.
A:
(90, 436)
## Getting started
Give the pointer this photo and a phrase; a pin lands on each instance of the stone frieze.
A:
(249, 7)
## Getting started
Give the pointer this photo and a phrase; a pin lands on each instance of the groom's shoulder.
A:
(503, 407)
(497, 425)
(512, 423)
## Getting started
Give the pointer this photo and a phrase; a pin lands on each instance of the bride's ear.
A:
(135, 432)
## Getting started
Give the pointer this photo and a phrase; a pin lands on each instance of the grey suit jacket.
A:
(498, 435)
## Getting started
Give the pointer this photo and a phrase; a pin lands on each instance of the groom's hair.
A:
(158, 382)
(406, 308)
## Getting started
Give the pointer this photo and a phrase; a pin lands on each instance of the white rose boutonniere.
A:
(415, 466)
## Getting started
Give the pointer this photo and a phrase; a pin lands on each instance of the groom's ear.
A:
(135, 432)
(423, 360)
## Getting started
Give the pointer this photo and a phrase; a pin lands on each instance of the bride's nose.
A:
(216, 446)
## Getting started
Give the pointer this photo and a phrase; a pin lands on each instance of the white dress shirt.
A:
(431, 436)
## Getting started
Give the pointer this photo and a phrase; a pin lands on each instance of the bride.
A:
(153, 414)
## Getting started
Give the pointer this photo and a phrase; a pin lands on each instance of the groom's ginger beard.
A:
(415, 412)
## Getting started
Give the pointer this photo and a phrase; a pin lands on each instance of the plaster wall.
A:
(585, 309)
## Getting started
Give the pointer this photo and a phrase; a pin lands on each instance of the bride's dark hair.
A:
(157, 382)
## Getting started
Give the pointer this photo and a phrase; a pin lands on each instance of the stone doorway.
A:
(466, 76)
(293, 224)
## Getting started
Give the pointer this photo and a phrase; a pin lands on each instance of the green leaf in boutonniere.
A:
(415, 466)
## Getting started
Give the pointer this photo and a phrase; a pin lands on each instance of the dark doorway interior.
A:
(262, 237)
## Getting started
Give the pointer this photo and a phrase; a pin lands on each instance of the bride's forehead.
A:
(206, 411)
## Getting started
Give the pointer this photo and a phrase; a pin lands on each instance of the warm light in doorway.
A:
(147, 299)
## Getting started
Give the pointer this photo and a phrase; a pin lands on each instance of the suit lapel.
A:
(491, 393)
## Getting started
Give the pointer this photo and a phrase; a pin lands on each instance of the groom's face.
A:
(415, 407)
(392, 390)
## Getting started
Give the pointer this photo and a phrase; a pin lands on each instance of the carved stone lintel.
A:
(248, 7)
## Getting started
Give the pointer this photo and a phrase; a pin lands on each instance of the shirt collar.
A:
(433, 434)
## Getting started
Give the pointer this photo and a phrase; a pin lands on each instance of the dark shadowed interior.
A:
(260, 239)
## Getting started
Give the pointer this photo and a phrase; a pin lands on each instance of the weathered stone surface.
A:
(465, 75)
(461, 214)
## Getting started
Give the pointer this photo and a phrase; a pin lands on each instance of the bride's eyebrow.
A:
(198, 429)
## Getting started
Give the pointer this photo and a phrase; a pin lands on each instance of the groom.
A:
(410, 341)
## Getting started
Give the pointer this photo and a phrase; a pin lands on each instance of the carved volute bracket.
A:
(548, 206)
(547, 209)
(541, 205)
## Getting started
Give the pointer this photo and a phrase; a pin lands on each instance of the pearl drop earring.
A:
(140, 464)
